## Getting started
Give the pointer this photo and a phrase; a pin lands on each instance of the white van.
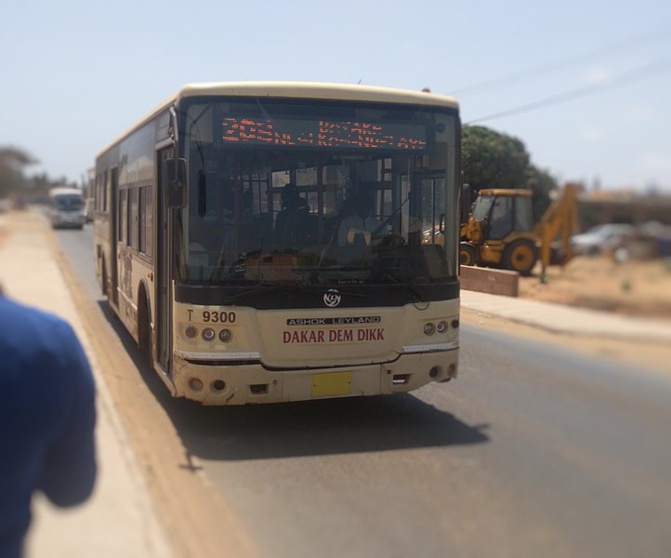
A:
(66, 208)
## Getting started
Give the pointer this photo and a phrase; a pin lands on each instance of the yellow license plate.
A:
(331, 384)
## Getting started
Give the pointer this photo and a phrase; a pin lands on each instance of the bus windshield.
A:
(311, 193)
(68, 202)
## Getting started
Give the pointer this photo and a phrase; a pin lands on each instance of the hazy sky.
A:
(76, 74)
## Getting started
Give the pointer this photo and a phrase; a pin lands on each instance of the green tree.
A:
(494, 160)
(36, 188)
(491, 159)
(543, 184)
(12, 163)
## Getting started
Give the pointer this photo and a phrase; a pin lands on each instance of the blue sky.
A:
(78, 73)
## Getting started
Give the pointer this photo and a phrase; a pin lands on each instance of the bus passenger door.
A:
(114, 233)
(163, 267)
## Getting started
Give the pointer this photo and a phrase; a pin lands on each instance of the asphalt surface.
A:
(533, 451)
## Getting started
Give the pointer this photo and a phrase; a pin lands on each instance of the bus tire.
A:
(468, 255)
(103, 278)
(521, 256)
(144, 329)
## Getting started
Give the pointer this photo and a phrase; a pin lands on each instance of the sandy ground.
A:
(634, 288)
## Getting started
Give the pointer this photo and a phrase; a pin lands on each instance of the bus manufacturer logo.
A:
(332, 298)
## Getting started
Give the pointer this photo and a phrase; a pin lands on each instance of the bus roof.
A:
(64, 191)
(298, 90)
(314, 90)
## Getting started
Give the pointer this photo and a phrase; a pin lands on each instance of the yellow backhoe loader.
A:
(500, 231)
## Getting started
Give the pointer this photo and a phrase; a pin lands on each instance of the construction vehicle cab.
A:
(500, 231)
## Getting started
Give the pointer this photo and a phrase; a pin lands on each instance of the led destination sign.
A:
(325, 133)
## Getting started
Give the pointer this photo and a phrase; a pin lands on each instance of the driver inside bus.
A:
(357, 227)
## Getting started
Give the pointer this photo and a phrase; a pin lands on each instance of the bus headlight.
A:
(225, 335)
(429, 328)
(208, 334)
(190, 332)
(441, 327)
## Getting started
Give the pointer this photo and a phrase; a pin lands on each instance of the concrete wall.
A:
(492, 281)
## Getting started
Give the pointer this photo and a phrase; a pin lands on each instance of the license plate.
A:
(331, 384)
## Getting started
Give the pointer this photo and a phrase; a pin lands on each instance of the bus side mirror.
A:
(175, 172)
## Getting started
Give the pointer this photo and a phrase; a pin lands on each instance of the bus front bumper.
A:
(242, 383)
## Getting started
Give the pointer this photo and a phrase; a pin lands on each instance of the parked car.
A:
(602, 238)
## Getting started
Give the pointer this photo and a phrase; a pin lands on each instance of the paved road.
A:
(533, 451)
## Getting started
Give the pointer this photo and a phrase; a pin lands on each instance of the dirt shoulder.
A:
(197, 519)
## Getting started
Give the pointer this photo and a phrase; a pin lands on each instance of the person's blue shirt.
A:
(47, 418)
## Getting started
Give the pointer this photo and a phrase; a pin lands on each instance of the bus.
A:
(218, 240)
(66, 208)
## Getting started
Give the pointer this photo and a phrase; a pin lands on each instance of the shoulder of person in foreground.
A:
(47, 361)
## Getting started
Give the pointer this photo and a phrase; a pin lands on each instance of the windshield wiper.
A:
(416, 296)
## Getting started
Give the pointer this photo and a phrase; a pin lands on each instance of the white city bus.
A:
(66, 208)
(219, 242)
